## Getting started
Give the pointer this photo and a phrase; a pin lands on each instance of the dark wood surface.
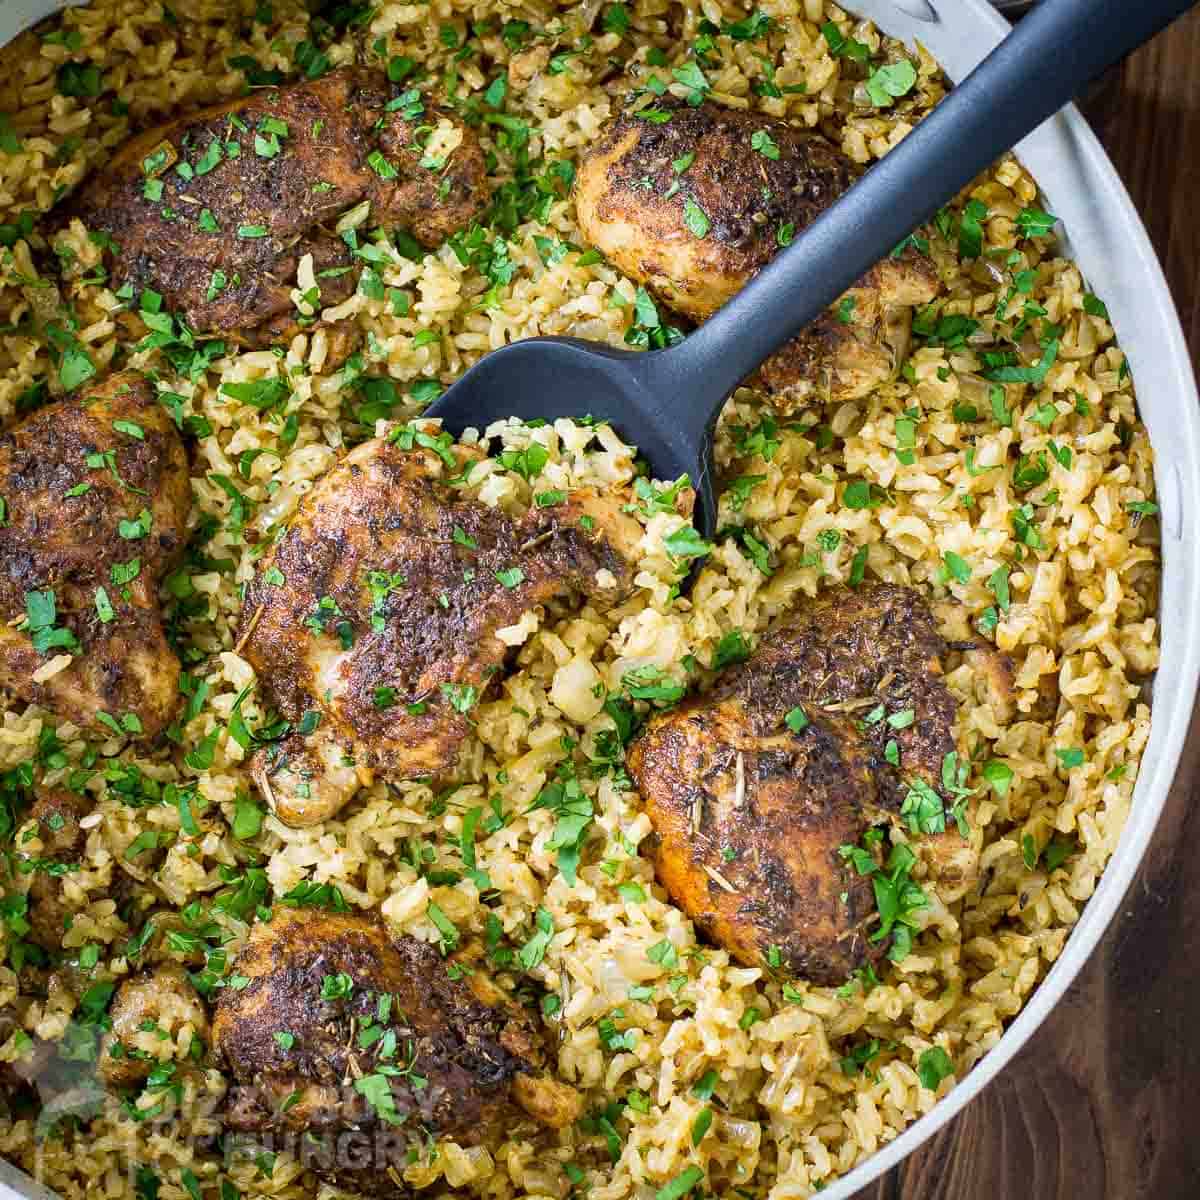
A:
(1104, 1102)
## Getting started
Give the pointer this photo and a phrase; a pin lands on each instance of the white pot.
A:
(1106, 238)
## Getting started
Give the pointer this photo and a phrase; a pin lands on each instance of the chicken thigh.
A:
(839, 721)
(217, 209)
(748, 818)
(350, 1036)
(96, 496)
(377, 612)
(695, 206)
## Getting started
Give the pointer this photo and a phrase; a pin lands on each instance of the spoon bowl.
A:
(549, 377)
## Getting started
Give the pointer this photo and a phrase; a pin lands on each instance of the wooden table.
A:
(1104, 1101)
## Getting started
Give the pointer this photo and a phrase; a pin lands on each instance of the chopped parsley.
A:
(41, 614)
(534, 950)
(328, 613)
(695, 218)
(797, 720)
(573, 812)
(644, 683)
(970, 229)
(841, 46)
(1033, 222)
(933, 1066)
(732, 648)
(694, 79)
(897, 896)
(738, 491)
(647, 330)
(922, 808)
(683, 1184)
(686, 543)
(104, 608)
(511, 576)
(82, 80)
(859, 494)
(888, 83)
(527, 462)
(139, 528)
(446, 927)
(381, 166)
(1011, 373)
(955, 567)
(460, 696)
(999, 775)
(376, 1089)
(664, 954)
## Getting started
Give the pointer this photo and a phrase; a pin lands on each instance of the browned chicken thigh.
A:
(377, 611)
(348, 1035)
(840, 720)
(757, 181)
(216, 209)
(748, 818)
(96, 497)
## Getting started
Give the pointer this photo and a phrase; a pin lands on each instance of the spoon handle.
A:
(1045, 61)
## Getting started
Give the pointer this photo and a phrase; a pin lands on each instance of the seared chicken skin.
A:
(348, 1034)
(750, 808)
(630, 197)
(378, 609)
(96, 493)
(216, 209)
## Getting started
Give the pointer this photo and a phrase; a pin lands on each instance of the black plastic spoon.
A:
(666, 401)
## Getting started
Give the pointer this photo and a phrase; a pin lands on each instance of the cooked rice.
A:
(792, 1113)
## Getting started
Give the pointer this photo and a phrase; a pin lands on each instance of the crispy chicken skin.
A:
(57, 539)
(306, 152)
(630, 202)
(749, 814)
(478, 1052)
(392, 580)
